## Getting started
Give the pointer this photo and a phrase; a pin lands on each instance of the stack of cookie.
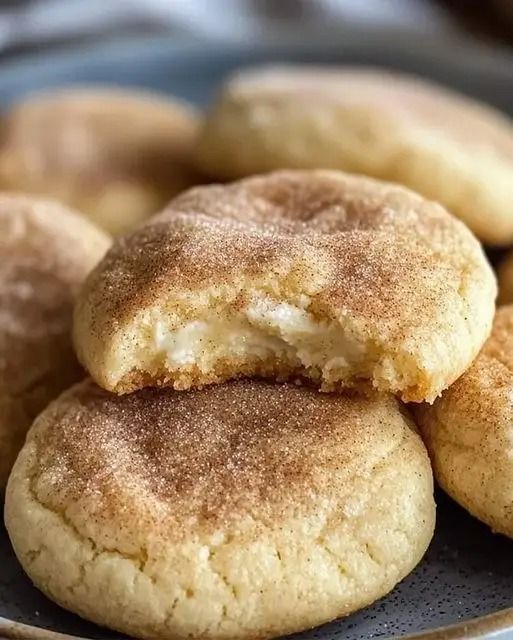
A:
(190, 511)
(241, 462)
(447, 147)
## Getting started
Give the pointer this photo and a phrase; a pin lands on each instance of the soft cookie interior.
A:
(259, 328)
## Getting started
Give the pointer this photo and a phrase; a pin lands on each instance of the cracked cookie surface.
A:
(387, 125)
(46, 251)
(340, 280)
(469, 431)
(245, 510)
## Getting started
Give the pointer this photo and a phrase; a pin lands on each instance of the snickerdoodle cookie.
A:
(45, 253)
(341, 280)
(115, 155)
(469, 431)
(446, 146)
(244, 510)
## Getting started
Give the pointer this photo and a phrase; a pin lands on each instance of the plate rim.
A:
(479, 627)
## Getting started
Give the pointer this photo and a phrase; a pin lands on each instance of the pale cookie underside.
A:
(393, 127)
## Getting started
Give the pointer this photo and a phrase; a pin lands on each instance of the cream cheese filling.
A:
(261, 329)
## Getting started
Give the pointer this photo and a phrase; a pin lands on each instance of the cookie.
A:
(444, 145)
(339, 280)
(117, 156)
(469, 431)
(45, 253)
(245, 510)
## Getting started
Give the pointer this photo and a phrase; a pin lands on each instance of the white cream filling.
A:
(202, 342)
(263, 329)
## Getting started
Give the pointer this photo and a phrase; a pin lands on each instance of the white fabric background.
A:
(37, 22)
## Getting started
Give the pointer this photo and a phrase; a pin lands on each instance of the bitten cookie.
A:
(245, 510)
(116, 156)
(444, 145)
(337, 279)
(469, 431)
(45, 253)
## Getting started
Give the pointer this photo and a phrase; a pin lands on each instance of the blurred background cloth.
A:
(33, 24)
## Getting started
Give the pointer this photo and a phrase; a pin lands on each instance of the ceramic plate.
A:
(464, 586)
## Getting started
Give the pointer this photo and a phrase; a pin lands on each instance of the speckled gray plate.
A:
(466, 578)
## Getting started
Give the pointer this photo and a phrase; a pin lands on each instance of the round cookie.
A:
(245, 510)
(116, 156)
(45, 253)
(469, 430)
(505, 279)
(337, 279)
(391, 126)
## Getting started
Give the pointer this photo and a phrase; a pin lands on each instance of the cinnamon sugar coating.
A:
(341, 280)
(45, 253)
(210, 504)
